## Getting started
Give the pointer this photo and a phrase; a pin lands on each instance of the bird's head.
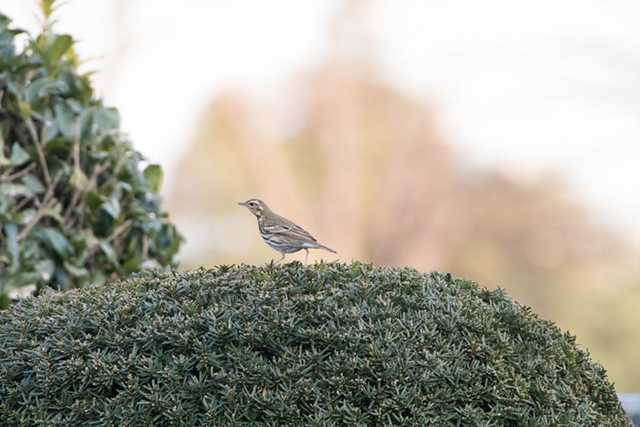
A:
(256, 206)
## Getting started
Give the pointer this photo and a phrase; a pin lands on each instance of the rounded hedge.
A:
(329, 344)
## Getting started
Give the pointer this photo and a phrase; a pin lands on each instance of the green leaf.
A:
(47, 7)
(86, 124)
(112, 207)
(5, 301)
(45, 268)
(21, 279)
(65, 119)
(3, 160)
(76, 271)
(132, 265)
(24, 109)
(18, 155)
(15, 190)
(54, 212)
(58, 147)
(56, 241)
(6, 203)
(168, 240)
(11, 234)
(61, 279)
(96, 278)
(107, 249)
(79, 179)
(33, 183)
(106, 119)
(153, 175)
(58, 47)
(26, 215)
(125, 187)
(93, 200)
(40, 88)
(49, 127)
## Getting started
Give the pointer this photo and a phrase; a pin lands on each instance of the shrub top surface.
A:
(329, 344)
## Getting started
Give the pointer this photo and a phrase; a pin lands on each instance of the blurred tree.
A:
(363, 166)
(366, 165)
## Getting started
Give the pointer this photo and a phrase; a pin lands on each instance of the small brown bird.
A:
(281, 234)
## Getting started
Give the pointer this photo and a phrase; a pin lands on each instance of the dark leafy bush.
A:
(75, 205)
(331, 344)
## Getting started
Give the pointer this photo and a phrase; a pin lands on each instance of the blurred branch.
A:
(36, 140)
(47, 203)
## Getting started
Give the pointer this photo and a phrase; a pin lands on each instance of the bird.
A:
(280, 233)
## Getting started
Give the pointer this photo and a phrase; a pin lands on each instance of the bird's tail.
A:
(326, 248)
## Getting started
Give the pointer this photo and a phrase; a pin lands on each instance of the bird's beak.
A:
(242, 203)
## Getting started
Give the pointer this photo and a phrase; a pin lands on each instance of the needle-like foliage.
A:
(330, 344)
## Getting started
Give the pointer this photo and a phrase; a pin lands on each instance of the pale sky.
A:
(534, 86)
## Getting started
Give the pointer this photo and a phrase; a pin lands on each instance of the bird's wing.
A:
(287, 228)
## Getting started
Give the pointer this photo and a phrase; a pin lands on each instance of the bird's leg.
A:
(281, 258)
(306, 255)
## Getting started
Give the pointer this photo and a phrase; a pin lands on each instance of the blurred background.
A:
(498, 140)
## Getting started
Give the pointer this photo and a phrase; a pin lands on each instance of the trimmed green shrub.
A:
(75, 205)
(330, 344)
